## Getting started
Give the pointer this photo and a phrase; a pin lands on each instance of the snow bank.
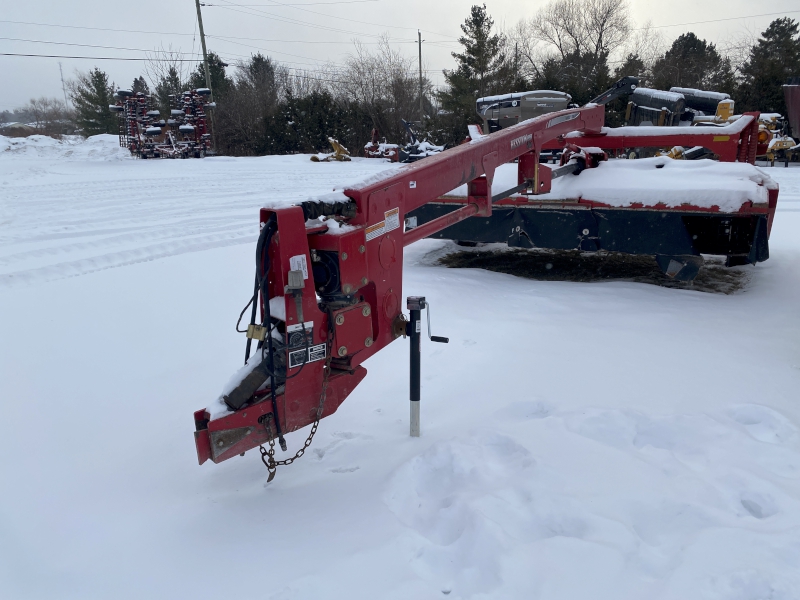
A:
(658, 181)
(98, 147)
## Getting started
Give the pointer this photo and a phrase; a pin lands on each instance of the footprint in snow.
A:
(345, 469)
(764, 424)
(340, 437)
(523, 411)
(759, 506)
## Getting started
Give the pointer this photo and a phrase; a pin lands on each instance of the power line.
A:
(98, 57)
(305, 4)
(213, 37)
(291, 21)
(195, 33)
(86, 45)
(94, 28)
(785, 12)
(227, 2)
(222, 37)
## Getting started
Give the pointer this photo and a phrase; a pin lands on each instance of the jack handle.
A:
(434, 338)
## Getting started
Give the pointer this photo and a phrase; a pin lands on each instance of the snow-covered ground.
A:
(605, 440)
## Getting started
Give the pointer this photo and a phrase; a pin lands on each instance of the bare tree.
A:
(49, 116)
(253, 97)
(385, 83)
(166, 64)
(585, 27)
(647, 43)
(738, 46)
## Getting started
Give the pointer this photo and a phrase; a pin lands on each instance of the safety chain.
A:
(268, 456)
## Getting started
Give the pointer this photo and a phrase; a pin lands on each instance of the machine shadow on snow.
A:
(585, 267)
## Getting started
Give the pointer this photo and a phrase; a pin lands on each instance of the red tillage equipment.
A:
(330, 298)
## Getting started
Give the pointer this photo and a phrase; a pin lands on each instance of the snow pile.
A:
(75, 148)
(658, 181)
(690, 485)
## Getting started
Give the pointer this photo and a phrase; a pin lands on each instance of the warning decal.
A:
(376, 230)
(298, 263)
(392, 219)
(315, 353)
(390, 223)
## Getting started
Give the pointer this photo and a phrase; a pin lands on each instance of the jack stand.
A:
(415, 306)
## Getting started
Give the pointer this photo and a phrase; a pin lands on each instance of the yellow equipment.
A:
(340, 153)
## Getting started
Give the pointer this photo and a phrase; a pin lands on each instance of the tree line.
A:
(576, 46)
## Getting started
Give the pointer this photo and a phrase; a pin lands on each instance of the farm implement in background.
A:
(147, 134)
(328, 283)
(676, 210)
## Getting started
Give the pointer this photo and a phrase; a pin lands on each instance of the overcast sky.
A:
(299, 33)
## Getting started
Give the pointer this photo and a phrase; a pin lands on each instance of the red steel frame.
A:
(371, 264)
(737, 141)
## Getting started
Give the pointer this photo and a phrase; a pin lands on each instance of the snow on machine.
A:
(328, 283)
(147, 134)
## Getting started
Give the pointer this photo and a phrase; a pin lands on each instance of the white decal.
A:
(315, 353)
(562, 119)
(412, 184)
(392, 219)
(376, 230)
(523, 139)
(298, 263)
(309, 325)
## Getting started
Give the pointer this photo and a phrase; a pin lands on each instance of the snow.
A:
(650, 130)
(719, 96)
(780, 138)
(607, 440)
(658, 94)
(381, 147)
(541, 96)
(658, 181)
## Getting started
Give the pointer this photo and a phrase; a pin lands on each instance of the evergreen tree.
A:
(140, 86)
(91, 95)
(221, 84)
(773, 60)
(633, 65)
(303, 124)
(170, 84)
(693, 63)
(479, 66)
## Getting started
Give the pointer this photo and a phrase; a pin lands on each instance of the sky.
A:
(301, 34)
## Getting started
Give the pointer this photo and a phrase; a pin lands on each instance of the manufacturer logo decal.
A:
(523, 139)
(562, 119)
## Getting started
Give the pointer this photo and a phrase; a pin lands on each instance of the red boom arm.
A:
(358, 275)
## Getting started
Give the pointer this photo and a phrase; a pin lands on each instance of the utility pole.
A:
(203, 43)
(421, 105)
(63, 87)
(208, 74)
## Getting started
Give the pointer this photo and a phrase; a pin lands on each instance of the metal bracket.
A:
(257, 332)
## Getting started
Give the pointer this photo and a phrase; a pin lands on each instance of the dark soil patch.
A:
(573, 265)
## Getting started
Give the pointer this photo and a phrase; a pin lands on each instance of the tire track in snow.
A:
(120, 259)
(65, 217)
